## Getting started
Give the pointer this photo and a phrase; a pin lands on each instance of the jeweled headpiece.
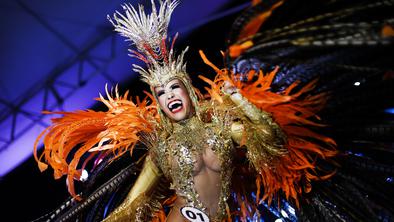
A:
(149, 34)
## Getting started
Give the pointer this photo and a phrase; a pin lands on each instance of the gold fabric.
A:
(220, 128)
(261, 135)
(134, 207)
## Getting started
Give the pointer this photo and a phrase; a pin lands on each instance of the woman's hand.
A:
(229, 89)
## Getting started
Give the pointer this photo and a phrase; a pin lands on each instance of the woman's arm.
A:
(256, 131)
(138, 196)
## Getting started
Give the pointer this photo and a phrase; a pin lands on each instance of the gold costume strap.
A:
(132, 208)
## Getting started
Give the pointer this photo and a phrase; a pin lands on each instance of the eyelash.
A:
(160, 93)
(176, 86)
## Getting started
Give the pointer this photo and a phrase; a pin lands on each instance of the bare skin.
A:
(206, 171)
(174, 100)
(207, 183)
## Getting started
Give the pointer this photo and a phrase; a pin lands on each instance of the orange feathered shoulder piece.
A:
(294, 110)
(91, 135)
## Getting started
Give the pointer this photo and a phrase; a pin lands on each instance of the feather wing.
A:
(342, 43)
(296, 113)
(87, 135)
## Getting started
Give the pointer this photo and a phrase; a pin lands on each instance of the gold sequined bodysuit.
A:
(178, 148)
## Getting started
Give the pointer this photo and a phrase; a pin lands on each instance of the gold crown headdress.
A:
(149, 34)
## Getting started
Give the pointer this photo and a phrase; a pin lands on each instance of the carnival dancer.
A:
(193, 139)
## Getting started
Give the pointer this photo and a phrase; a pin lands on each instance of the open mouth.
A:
(175, 106)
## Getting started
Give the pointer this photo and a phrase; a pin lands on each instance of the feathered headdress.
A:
(149, 34)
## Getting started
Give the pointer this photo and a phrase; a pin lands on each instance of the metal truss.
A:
(50, 93)
(50, 89)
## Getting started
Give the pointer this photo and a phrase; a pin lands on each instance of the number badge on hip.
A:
(194, 214)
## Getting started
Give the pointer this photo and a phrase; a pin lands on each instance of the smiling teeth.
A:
(174, 104)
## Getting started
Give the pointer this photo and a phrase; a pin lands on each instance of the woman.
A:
(192, 142)
(195, 151)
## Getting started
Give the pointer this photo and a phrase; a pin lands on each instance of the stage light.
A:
(389, 110)
(84, 175)
(284, 214)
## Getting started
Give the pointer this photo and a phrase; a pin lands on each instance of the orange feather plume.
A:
(88, 133)
(295, 112)
(244, 40)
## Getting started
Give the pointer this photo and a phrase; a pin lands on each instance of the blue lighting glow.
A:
(72, 58)
(389, 110)
(289, 208)
(355, 154)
